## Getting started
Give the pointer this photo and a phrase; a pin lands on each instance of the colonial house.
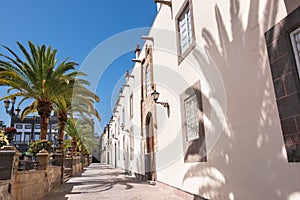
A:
(210, 109)
(28, 131)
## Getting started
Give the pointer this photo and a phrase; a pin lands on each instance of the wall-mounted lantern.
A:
(155, 96)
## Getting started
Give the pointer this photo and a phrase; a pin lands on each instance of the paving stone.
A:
(101, 181)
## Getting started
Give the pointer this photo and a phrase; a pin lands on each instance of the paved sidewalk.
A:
(105, 182)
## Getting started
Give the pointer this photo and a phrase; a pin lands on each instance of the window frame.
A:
(285, 81)
(193, 150)
(131, 139)
(36, 136)
(118, 127)
(19, 135)
(181, 56)
(119, 150)
(131, 106)
(18, 126)
(191, 117)
(123, 116)
(28, 125)
(148, 75)
(37, 126)
(27, 139)
(294, 48)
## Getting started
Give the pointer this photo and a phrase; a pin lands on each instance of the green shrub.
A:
(36, 146)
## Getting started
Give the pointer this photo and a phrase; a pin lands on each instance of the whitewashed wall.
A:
(246, 155)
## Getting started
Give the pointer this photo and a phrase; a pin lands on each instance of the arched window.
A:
(148, 80)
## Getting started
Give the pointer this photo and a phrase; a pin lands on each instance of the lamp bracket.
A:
(128, 75)
(166, 105)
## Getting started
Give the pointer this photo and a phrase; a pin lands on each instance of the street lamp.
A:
(12, 112)
(155, 96)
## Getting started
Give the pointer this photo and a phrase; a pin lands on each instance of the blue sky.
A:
(76, 28)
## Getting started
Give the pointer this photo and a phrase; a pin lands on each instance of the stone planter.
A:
(9, 163)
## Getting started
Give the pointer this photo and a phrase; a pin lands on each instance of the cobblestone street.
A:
(105, 182)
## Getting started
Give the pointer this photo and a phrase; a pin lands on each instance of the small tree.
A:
(37, 146)
(67, 144)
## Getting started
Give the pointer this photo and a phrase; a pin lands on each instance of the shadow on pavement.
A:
(96, 178)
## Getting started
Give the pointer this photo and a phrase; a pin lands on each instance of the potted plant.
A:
(10, 133)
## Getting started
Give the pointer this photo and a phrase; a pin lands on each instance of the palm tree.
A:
(78, 100)
(72, 131)
(86, 135)
(82, 134)
(40, 78)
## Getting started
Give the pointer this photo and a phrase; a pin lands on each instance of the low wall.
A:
(75, 165)
(34, 185)
(5, 190)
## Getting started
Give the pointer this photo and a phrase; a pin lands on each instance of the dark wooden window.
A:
(131, 106)
(131, 143)
(27, 126)
(123, 116)
(119, 150)
(19, 126)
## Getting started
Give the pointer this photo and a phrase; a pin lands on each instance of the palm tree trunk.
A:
(61, 132)
(62, 117)
(74, 146)
(44, 109)
(44, 127)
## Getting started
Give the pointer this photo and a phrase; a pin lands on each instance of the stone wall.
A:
(5, 190)
(34, 185)
(75, 165)
(9, 163)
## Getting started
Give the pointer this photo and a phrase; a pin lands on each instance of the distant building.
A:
(103, 144)
(28, 131)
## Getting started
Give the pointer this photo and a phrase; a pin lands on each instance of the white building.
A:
(227, 125)
(28, 131)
